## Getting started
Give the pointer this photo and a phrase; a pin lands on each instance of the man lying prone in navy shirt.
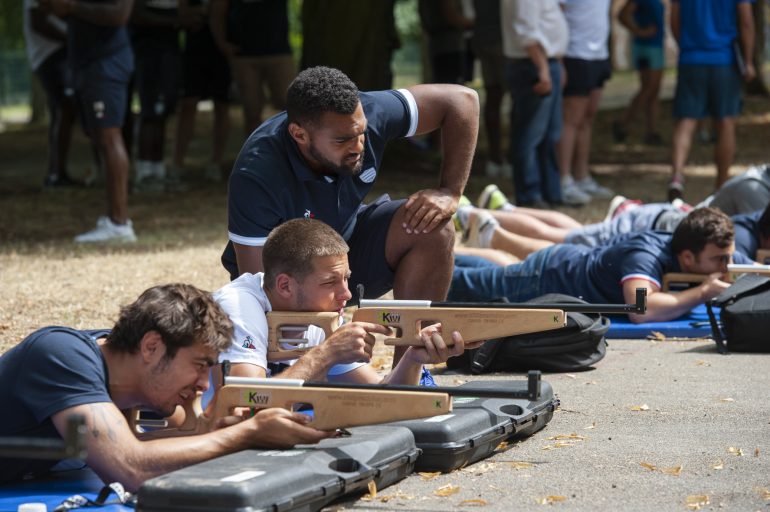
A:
(703, 243)
(156, 357)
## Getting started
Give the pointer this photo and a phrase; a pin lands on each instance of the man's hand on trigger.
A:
(435, 349)
(713, 286)
(352, 342)
(426, 209)
(279, 428)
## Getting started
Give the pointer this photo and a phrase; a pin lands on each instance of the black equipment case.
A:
(306, 478)
(476, 426)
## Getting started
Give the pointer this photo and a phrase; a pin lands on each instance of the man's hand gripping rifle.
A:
(473, 320)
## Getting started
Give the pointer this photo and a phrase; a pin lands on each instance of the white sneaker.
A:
(593, 189)
(145, 179)
(571, 194)
(108, 231)
(495, 170)
(481, 227)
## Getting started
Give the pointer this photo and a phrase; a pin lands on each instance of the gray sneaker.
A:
(572, 195)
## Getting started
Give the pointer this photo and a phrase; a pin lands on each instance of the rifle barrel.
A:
(532, 391)
(640, 307)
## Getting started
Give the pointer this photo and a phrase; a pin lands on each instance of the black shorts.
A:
(367, 248)
(206, 73)
(157, 76)
(583, 76)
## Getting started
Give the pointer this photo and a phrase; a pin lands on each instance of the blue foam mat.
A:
(54, 489)
(694, 324)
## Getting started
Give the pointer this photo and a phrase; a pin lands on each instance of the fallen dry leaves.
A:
(519, 464)
(473, 503)
(643, 407)
(447, 490)
(735, 451)
(697, 501)
(428, 476)
(549, 500)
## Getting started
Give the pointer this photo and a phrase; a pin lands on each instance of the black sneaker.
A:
(675, 188)
(60, 181)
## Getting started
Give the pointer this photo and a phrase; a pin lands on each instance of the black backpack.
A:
(745, 315)
(574, 347)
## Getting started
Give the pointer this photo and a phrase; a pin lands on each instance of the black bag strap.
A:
(482, 360)
(716, 331)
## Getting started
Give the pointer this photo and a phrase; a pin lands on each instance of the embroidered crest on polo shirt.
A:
(309, 214)
(368, 175)
(248, 342)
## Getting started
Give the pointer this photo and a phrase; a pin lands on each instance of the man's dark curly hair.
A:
(181, 313)
(318, 90)
(703, 226)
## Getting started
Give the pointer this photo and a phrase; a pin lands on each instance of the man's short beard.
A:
(339, 170)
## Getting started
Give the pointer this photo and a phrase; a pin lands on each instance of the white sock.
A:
(487, 231)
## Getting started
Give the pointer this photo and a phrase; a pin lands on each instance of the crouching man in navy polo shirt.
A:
(157, 356)
(320, 158)
(703, 243)
(306, 269)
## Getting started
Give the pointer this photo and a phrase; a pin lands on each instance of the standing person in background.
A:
(534, 40)
(716, 48)
(588, 66)
(487, 44)
(255, 38)
(205, 74)
(644, 19)
(45, 36)
(155, 33)
(444, 24)
(101, 61)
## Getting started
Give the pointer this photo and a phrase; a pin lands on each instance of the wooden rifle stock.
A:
(334, 405)
(473, 320)
(733, 272)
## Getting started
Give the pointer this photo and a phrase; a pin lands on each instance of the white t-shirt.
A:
(39, 47)
(589, 28)
(246, 303)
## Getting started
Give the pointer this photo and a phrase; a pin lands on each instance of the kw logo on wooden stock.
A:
(386, 317)
(256, 397)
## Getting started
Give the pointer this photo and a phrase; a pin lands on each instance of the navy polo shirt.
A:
(747, 232)
(271, 182)
(597, 274)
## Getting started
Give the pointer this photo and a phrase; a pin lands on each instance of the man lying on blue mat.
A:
(306, 269)
(703, 243)
(157, 356)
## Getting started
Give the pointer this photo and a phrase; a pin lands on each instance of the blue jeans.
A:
(476, 280)
(535, 130)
